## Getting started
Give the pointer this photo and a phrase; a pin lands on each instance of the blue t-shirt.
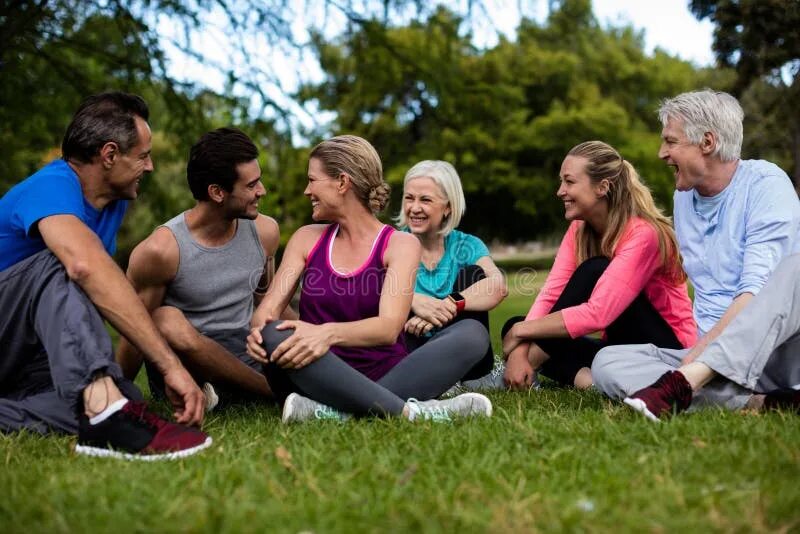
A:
(53, 190)
(732, 242)
(460, 250)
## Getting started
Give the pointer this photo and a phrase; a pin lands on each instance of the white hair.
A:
(446, 177)
(708, 111)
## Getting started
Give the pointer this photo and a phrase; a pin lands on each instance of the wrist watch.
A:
(458, 298)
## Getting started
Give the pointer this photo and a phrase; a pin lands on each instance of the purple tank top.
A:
(328, 296)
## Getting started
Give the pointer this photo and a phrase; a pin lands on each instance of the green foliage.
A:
(505, 117)
(761, 41)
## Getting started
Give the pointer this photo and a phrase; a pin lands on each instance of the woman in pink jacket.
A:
(618, 271)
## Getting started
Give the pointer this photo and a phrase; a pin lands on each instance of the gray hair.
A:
(446, 177)
(708, 111)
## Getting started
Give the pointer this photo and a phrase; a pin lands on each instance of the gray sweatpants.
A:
(424, 374)
(53, 340)
(758, 352)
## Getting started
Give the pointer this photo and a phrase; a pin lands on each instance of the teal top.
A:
(460, 250)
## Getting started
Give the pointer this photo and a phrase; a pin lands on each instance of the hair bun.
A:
(379, 197)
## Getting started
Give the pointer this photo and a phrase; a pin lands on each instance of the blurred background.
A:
(501, 89)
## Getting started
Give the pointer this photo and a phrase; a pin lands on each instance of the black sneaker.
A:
(135, 433)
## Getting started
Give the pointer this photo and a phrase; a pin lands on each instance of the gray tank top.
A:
(214, 286)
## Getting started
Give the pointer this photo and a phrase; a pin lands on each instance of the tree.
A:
(761, 40)
(505, 117)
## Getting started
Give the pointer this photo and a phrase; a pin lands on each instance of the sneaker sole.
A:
(109, 453)
(638, 405)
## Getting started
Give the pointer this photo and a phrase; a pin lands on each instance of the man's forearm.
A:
(112, 294)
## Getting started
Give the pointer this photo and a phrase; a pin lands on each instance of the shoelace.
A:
(139, 409)
(433, 413)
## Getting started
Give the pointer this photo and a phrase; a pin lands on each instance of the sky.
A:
(668, 24)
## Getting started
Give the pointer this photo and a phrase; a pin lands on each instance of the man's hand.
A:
(417, 326)
(185, 396)
(438, 312)
(308, 343)
(519, 372)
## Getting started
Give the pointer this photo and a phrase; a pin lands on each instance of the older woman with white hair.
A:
(457, 278)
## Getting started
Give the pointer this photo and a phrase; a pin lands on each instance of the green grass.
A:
(549, 460)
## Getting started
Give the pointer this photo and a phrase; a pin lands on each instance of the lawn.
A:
(549, 460)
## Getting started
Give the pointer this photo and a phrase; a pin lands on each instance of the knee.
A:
(467, 276)
(271, 337)
(593, 267)
(473, 335)
(175, 328)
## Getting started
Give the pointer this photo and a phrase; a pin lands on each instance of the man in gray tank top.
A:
(200, 273)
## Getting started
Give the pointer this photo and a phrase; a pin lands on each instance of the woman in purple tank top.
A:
(345, 355)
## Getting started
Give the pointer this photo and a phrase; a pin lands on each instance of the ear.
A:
(216, 193)
(345, 183)
(602, 188)
(108, 154)
(708, 144)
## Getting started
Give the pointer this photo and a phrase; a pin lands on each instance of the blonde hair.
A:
(356, 157)
(627, 197)
(446, 177)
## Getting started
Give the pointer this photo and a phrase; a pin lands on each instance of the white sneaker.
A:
(298, 408)
(212, 399)
(491, 381)
(465, 405)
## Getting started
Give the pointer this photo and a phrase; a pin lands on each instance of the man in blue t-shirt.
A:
(57, 284)
(735, 221)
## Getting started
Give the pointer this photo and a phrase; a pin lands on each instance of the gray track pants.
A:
(759, 351)
(424, 374)
(52, 340)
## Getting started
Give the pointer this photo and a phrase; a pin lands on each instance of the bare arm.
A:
(152, 266)
(551, 325)
(89, 265)
(733, 310)
(486, 294)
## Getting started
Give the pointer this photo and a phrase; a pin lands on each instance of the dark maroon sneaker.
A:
(783, 400)
(668, 395)
(135, 433)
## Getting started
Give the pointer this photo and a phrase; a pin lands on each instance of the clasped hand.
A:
(437, 312)
(308, 343)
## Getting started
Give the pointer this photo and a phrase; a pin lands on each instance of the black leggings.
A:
(639, 323)
(466, 277)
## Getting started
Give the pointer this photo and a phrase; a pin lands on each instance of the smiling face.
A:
(682, 155)
(582, 199)
(321, 190)
(242, 201)
(424, 205)
(127, 169)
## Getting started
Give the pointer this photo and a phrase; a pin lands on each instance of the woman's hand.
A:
(417, 326)
(438, 312)
(512, 340)
(519, 372)
(308, 343)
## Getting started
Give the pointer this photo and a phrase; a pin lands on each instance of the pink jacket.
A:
(635, 266)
